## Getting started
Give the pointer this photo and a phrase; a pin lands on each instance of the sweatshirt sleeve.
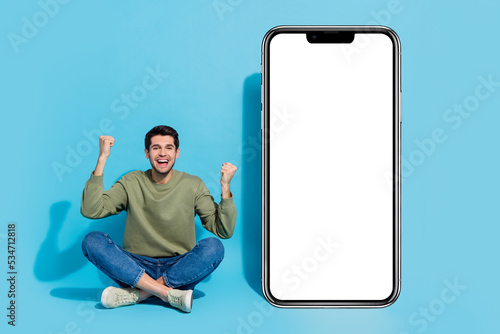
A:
(97, 203)
(219, 219)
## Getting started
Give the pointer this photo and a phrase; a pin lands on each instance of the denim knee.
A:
(92, 241)
(213, 248)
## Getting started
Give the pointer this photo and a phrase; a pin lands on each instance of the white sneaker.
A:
(115, 297)
(181, 299)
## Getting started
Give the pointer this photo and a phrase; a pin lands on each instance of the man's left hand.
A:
(227, 172)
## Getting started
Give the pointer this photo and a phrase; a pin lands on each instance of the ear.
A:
(146, 152)
(177, 154)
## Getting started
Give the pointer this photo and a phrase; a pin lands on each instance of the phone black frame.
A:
(341, 35)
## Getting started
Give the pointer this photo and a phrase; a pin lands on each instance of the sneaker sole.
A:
(190, 303)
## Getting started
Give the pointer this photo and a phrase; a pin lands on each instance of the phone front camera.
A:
(313, 36)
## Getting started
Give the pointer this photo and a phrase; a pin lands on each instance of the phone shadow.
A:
(251, 183)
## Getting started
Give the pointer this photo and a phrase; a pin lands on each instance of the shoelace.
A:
(125, 298)
(175, 299)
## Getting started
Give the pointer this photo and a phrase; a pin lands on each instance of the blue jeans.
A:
(180, 272)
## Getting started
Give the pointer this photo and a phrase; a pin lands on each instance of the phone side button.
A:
(400, 74)
(400, 109)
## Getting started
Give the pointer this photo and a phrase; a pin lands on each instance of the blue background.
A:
(66, 78)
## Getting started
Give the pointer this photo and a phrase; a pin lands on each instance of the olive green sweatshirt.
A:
(160, 217)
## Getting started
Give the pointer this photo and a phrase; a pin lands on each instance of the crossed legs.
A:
(151, 276)
(149, 287)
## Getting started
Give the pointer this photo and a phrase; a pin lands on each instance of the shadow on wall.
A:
(251, 182)
(52, 263)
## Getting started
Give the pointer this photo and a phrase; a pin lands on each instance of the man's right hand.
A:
(105, 143)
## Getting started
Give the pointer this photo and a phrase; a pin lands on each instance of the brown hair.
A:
(161, 130)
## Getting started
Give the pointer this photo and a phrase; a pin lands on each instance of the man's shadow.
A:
(251, 183)
(52, 263)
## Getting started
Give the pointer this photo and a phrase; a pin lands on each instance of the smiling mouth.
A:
(162, 162)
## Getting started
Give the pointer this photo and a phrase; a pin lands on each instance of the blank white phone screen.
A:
(331, 159)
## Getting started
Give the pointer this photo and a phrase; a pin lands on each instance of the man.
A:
(160, 256)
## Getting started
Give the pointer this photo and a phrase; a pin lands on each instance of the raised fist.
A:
(227, 172)
(105, 143)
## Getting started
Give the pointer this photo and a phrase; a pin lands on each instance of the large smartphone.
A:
(331, 114)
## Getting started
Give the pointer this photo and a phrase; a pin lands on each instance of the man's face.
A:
(162, 154)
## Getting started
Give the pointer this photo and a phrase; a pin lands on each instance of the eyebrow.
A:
(158, 145)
